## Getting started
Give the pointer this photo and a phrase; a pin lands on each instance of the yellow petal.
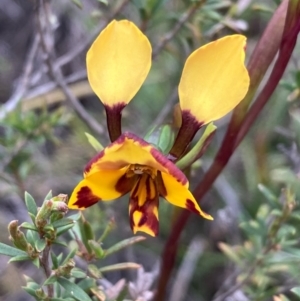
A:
(118, 62)
(143, 206)
(214, 79)
(179, 195)
(103, 185)
(130, 149)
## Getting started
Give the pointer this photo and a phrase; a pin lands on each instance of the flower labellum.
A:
(131, 165)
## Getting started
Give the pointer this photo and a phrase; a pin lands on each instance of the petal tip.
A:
(82, 197)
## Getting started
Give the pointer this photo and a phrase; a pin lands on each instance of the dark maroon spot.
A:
(153, 224)
(125, 184)
(85, 198)
(161, 185)
(143, 220)
(191, 206)
(169, 165)
(189, 127)
(147, 209)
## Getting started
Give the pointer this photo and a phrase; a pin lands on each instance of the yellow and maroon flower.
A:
(213, 82)
(130, 164)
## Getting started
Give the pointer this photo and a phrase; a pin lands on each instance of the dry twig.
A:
(22, 86)
(55, 71)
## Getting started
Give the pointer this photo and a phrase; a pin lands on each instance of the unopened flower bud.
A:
(65, 270)
(44, 213)
(17, 236)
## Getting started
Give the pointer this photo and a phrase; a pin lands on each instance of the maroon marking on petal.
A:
(158, 156)
(94, 160)
(125, 184)
(161, 185)
(143, 220)
(170, 166)
(113, 117)
(189, 127)
(134, 137)
(191, 206)
(86, 198)
(120, 140)
(148, 217)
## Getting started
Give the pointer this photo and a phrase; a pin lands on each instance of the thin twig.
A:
(170, 35)
(44, 261)
(56, 73)
(50, 86)
(22, 86)
(186, 270)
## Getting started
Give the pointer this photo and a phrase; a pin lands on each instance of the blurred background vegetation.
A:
(251, 250)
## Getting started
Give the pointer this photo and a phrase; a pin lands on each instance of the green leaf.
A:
(123, 244)
(87, 283)
(19, 258)
(86, 233)
(36, 262)
(60, 243)
(40, 245)
(75, 216)
(63, 222)
(96, 248)
(103, 1)
(198, 148)
(94, 271)
(64, 229)
(62, 299)
(78, 273)
(28, 226)
(52, 279)
(54, 260)
(94, 142)
(48, 196)
(74, 290)
(57, 289)
(32, 217)
(32, 237)
(268, 194)
(296, 290)
(11, 251)
(162, 137)
(120, 266)
(30, 204)
(30, 291)
(77, 3)
(229, 252)
(69, 256)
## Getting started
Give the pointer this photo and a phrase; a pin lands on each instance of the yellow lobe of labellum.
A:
(214, 79)
(179, 195)
(99, 186)
(118, 62)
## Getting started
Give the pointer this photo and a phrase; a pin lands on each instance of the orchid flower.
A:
(213, 82)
